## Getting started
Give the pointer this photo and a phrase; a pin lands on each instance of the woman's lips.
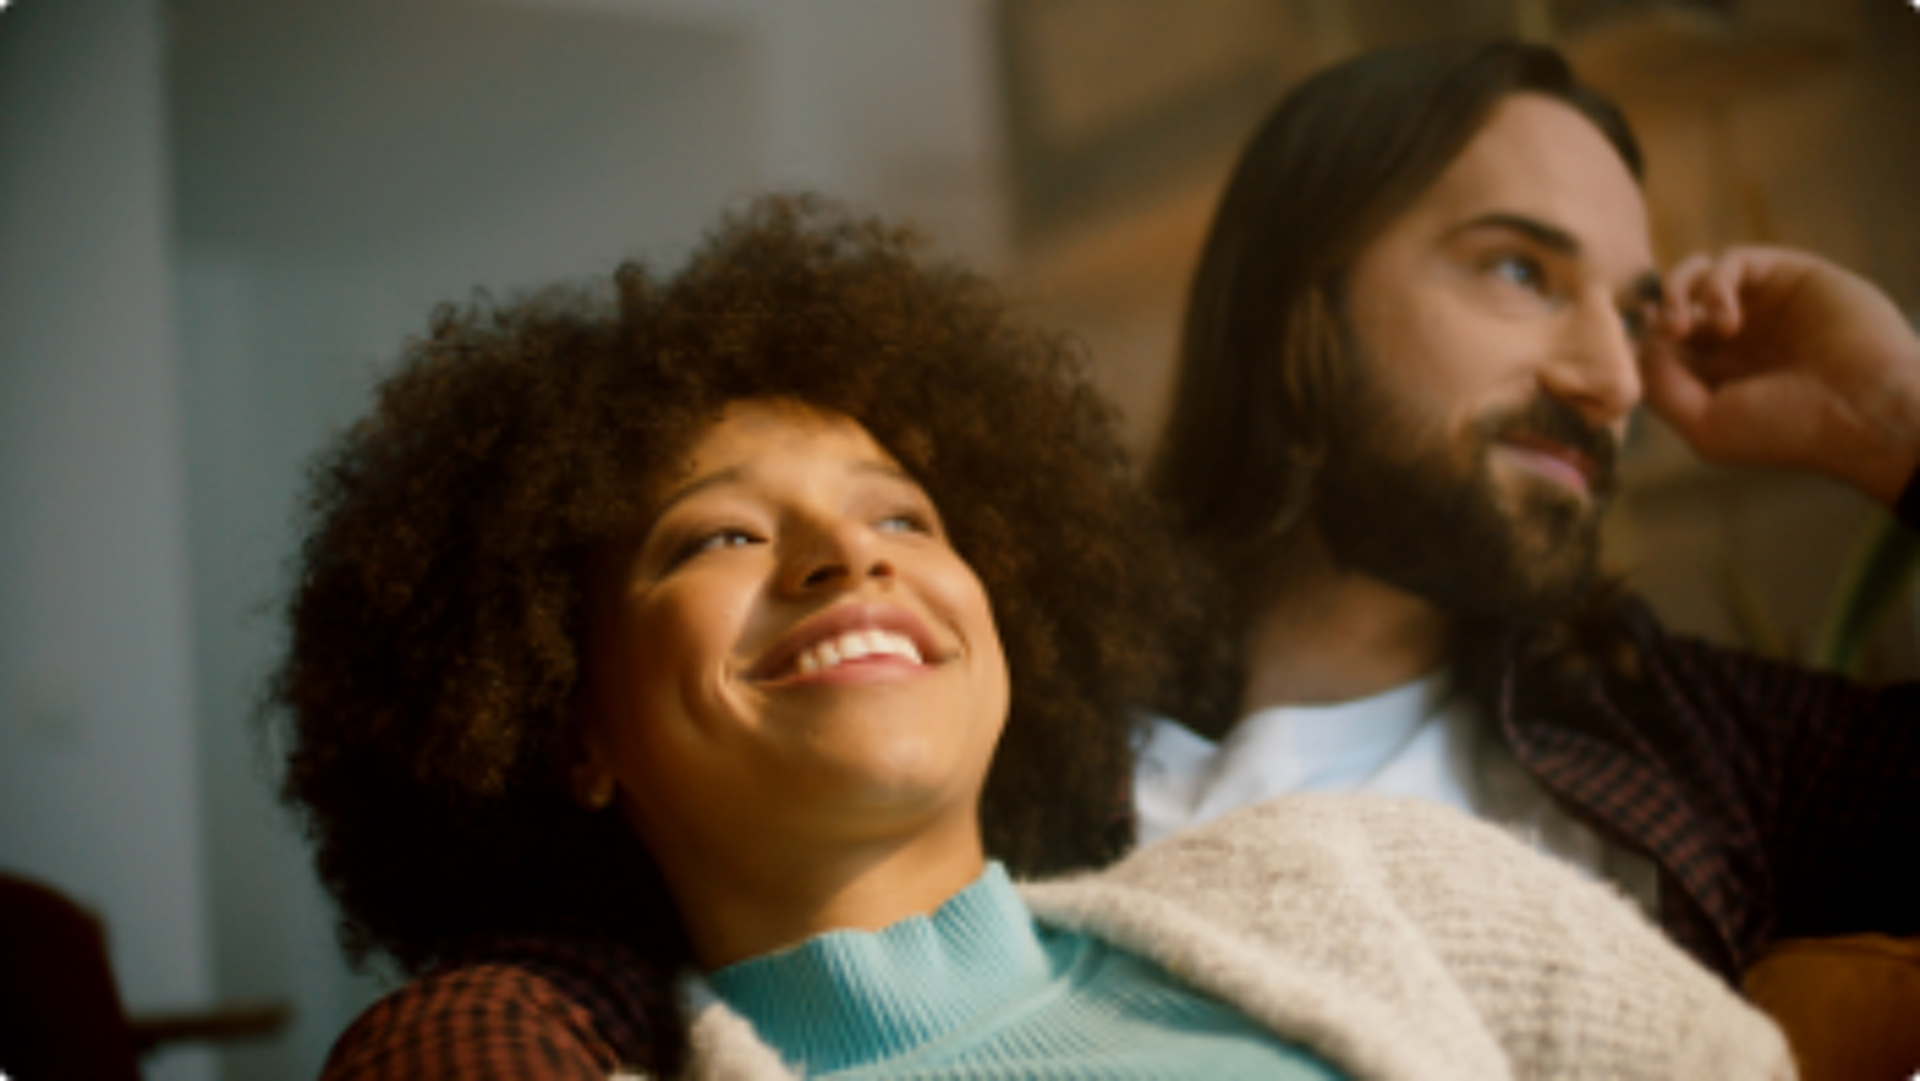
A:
(846, 635)
(854, 647)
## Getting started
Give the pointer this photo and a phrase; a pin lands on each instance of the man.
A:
(1427, 307)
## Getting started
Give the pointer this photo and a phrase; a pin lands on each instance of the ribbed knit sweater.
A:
(977, 990)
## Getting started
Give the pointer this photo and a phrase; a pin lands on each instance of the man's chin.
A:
(1497, 541)
(1549, 576)
(1542, 568)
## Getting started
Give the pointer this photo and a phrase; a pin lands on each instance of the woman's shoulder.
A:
(513, 1008)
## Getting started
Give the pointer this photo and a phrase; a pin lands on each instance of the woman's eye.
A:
(905, 522)
(722, 538)
(711, 541)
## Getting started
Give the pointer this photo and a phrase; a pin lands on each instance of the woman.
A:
(710, 634)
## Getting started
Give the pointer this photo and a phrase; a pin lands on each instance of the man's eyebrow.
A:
(1547, 236)
(1644, 289)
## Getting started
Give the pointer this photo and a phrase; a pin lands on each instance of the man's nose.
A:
(1596, 365)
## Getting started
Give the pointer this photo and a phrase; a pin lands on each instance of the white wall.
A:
(98, 778)
(218, 218)
(342, 168)
(320, 231)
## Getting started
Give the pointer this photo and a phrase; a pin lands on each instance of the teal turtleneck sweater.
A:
(980, 990)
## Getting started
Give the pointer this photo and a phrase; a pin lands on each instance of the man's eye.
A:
(1638, 320)
(1523, 271)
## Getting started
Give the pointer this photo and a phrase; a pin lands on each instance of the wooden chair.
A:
(60, 1010)
(1850, 1006)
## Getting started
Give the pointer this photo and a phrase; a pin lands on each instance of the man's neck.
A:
(1332, 635)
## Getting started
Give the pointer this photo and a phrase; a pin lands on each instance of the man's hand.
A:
(1771, 357)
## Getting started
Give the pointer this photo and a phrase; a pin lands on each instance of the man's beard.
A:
(1402, 502)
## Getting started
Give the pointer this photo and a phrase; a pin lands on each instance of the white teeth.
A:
(853, 646)
(903, 646)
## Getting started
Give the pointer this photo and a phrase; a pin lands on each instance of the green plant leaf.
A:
(1875, 579)
(1745, 609)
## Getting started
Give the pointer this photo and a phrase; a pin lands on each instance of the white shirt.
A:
(1416, 740)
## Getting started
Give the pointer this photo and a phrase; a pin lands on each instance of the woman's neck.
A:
(765, 900)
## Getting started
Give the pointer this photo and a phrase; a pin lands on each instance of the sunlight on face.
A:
(1497, 323)
(792, 654)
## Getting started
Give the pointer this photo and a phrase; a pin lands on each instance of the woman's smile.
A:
(851, 641)
(792, 649)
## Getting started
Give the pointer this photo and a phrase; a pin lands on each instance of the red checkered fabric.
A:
(524, 1009)
(1777, 802)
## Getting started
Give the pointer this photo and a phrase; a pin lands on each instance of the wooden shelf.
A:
(1673, 53)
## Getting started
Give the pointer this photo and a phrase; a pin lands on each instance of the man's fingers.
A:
(1677, 311)
(1673, 390)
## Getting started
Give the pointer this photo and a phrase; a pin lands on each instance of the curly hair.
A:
(437, 620)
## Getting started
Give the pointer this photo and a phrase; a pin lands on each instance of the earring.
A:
(592, 788)
(600, 796)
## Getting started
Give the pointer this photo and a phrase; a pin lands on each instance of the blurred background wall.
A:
(219, 218)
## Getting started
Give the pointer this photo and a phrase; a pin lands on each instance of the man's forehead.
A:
(1537, 159)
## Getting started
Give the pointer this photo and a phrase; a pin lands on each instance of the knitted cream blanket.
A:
(1398, 940)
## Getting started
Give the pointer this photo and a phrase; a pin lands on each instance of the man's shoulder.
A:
(1625, 642)
(530, 1007)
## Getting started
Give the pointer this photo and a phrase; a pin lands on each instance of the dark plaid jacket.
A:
(1776, 801)
(523, 1009)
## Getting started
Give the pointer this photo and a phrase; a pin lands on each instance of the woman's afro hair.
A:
(427, 695)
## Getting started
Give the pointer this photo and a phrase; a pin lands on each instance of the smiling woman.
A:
(789, 670)
(679, 675)
(572, 518)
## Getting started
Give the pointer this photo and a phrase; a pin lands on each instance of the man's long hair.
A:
(1264, 359)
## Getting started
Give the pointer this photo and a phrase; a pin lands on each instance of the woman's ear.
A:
(589, 777)
(592, 783)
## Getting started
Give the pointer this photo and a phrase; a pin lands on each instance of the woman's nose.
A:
(838, 554)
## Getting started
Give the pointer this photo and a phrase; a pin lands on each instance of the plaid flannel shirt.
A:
(1777, 802)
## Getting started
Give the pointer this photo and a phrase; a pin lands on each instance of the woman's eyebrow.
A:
(739, 474)
(885, 469)
(717, 479)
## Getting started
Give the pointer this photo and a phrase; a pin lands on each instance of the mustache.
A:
(1549, 418)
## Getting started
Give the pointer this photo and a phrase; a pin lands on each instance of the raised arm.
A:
(1778, 358)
